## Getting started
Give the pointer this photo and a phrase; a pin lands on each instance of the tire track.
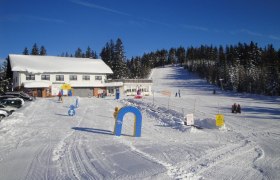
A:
(42, 166)
(74, 162)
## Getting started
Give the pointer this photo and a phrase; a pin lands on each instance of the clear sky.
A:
(143, 25)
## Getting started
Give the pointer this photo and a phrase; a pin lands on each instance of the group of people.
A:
(236, 108)
(178, 93)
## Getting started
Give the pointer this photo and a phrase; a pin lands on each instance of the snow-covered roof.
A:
(55, 64)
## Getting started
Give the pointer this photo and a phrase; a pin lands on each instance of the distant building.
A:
(45, 76)
(131, 86)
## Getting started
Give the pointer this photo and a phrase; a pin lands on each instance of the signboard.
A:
(189, 119)
(220, 120)
(66, 86)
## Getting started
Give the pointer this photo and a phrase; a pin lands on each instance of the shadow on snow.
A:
(97, 131)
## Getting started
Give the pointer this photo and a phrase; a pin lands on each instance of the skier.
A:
(234, 108)
(179, 94)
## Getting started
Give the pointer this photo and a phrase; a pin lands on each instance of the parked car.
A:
(3, 114)
(19, 94)
(15, 102)
(11, 109)
(6, 96)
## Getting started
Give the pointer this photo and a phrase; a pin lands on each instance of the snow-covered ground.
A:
(40, 140)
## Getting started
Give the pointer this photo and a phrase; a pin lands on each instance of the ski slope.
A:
(40, 140)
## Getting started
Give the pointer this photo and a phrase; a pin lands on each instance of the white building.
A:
(46, 75)
(132, 86)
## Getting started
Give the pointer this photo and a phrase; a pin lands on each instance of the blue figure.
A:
(77, 103)
(70, 92)
(117, 93)
(71, 111)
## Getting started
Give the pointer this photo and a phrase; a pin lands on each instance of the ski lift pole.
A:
(153, 97)
(194, 106)
(168, 102)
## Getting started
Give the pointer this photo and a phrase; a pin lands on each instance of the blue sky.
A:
(143, 25)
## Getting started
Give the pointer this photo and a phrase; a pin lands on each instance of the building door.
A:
(82, 92)
(39, 92)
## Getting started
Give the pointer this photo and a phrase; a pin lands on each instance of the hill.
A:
(40, 141)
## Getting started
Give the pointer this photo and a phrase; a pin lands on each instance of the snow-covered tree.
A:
(119, 64)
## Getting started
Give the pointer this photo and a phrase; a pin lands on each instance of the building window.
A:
(59, 77)
(98, 77)
(73, 77)
(45, 77)
(30, 77)
(86, 77)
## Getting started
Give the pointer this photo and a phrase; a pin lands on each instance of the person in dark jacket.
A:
(238, 108)
(59, 96)
(234, 108)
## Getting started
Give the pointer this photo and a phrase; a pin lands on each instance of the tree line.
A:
(242, 67)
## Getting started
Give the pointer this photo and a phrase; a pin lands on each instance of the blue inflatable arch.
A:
(137, 120)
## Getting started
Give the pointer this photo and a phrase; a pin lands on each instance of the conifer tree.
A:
(171, 56)
(43, 51)
(181, 55)
(94, 55)
(35, 50)
(79, 53)
(4, 79)
(119, 65)
(88, 52)
(107, 54)
(25, 51)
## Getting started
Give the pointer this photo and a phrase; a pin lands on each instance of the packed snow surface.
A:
(40, 140)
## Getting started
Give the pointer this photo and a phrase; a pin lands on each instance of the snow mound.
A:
(171, 118)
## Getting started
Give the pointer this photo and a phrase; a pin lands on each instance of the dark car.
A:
(15, 102)
(22, 95)
(6, 96)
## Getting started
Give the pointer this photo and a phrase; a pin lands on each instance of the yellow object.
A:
(220, 120)
(115, 114)
(66, 86)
